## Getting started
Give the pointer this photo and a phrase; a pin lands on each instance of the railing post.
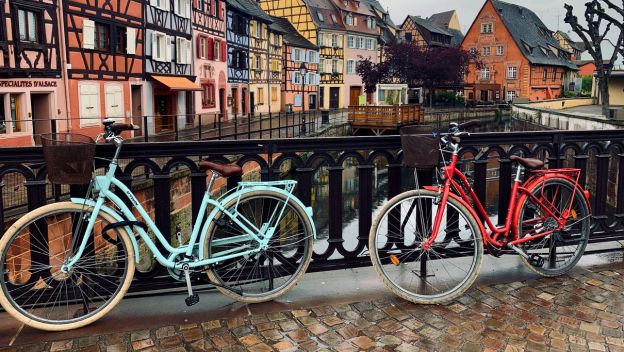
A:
(199, 129)
(236, 126)
(270, 125)
(260, 128)
(620, 181)
(602, 175)
(304, 186)
(53, 126)
(279, 125)
(365, 203)
(220, 126)
(480, 180)
(504, 189)
(145, 129)
(248, 125)
(335, 205)
(580, 162)
(198, 188)
(162, 205)
(177, 137)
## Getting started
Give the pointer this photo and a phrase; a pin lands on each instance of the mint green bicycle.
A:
(67, 264)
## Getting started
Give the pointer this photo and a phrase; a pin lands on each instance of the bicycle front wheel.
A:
(439, 274)
(561, 250)
(34, 290)
(270, 272)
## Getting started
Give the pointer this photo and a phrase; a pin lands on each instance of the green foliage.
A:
(447, 98)
(586, 86)
(570, 95)
(499, 114)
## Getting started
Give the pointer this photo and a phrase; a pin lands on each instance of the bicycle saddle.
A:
(225, 170)
(526, 162)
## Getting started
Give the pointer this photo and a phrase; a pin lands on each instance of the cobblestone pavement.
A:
(582, 312)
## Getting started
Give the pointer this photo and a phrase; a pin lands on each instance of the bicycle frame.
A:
(261, 236)
(506, 234)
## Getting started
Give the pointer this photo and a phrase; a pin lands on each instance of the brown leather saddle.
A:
(225, 170)
(526, 162)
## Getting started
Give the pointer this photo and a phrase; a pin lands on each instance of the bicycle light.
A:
(395, 260)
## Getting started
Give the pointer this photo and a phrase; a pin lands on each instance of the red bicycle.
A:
(427, 244)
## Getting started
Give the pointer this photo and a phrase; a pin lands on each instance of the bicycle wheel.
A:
(432, 276)
(35, 291)
(271, 272)
(561, 250)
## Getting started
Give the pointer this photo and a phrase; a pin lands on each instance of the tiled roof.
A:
(251, 8)
(430, 26)
(377, 6)
(326, 9)
(443, 18)
(351, 6)
(531, 35)
(458, 37)
(291, 36)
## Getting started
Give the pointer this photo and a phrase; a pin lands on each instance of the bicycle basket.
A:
(68, 157)
(421, 147)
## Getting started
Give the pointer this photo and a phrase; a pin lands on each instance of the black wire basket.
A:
(421, 147)
(68, 157)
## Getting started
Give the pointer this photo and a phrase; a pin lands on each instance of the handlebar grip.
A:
(120, 127)
(471, 123)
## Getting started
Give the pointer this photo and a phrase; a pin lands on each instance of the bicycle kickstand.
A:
(192, 298)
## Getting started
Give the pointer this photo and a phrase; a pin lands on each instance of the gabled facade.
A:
(104, 48)
(520, 55)
(424, 32)
(210, 61)
(168, 64)
(31, 89)
(449, 21)
(297, 92)
(237, 35)
(361, 43)
(575, 48)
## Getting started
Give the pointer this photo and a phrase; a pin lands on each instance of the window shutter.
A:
(168, 48)
(199, 46)
(131, 40)
(223, 51)
(188, 9)
(167, 5)
(293, 78)
(189, 51)
(195, 3)
(339, 66)
(210, 51)
(88, 34)
(155, 56)
(355, 21)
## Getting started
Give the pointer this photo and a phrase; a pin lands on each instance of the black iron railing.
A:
(599, 154)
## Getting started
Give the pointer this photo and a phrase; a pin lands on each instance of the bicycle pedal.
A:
(192, 300)
(536, 261)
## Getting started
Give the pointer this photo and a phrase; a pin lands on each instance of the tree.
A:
(599, 24)
(408, 63)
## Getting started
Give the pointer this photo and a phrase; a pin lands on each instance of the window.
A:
(259, 63)
(120, 42)
(486, 28)
(161, 4)
(259, 30)
(260, 96)
(182, 8)
(275, 66)
(29, 26)
(511, 95)
(336, 66)
(486, 51)
(296, 55)
(359, 42)
(102, 37)
(485, 74)
(409, 37)
(554, 75)
(473, 51)
(312, 57)
(350, 41)
(208, 95)
(333, 16)
(274, 94)
(183, 51)
(114, 101)
(349, 20)
(161, 47)
(322, 65)
(369, 44)
(320, 16)
(335, 41)
(500, 50)
(202, 47)
(545, 74)
(89, 104)
(370, 23)
(512, 72)
(350, 67)
(296, 77)
(216, 50)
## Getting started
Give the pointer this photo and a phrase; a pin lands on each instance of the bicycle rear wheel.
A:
(271, 272)
(438, 275)
(561, 250)
(34, 290)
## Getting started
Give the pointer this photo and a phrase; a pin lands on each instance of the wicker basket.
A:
(68, 157)
(421, 147)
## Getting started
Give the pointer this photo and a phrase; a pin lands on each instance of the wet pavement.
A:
(508, 309)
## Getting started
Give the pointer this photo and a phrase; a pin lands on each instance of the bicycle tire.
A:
(91, 274)
(220, 273)
(383, 261)
(526, 221)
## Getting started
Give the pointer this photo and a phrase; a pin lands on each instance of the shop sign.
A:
(28, 84)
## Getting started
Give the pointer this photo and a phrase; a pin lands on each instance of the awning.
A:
(177, 83)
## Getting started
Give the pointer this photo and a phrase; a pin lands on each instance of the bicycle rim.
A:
(434, 276)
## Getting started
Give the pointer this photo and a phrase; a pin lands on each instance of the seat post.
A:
(518, 172)
(213, 177)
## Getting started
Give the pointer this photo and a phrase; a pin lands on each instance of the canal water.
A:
(320, 193)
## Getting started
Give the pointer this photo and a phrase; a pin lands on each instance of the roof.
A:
(355, 6)
(458, 37)
(326, 9)
(429, 25)
(576, 45)
(291, 36)
(251, 8)
(531, 35)
(443, 18)
(377, 7)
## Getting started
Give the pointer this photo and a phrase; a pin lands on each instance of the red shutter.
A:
(199, 40)
(195, 4)
(223, 51)
(213, 11)
(210, 50)
(221, 9)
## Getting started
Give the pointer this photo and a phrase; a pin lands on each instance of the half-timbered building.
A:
(425, 32)
(320, 22)
(32, 93)
(210, 57)
(237, 38)
(298, 91)
(168, 64)
(104, 48)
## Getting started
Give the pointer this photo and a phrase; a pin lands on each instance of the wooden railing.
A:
(390, 117)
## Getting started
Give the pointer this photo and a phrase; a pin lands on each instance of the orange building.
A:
(520, 56)
(586, 67)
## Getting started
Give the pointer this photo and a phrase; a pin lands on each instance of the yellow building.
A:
(616, 88)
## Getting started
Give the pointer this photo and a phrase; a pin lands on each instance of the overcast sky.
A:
(551, 12)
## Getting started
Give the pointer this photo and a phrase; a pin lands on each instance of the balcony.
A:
(382, 118)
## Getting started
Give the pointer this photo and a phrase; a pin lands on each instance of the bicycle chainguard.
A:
(536, 260)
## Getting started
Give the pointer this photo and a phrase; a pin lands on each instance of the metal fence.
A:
(599, 154)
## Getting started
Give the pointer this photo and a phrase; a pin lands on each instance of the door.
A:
(42, 118)
(137, 115)
(244, 100)
(16, 112)
(312, 105)
(190, 108)
(234, 101)
(334, 97)
(165, 112)
(222, 105)
(322, 97)
(354, 96)
(252, 102)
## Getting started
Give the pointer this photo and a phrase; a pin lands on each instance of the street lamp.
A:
(303, 69)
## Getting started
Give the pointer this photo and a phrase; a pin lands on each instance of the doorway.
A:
(252, 102)
(334, 97)
(354, 96)
(235, 101)
(137, 118)
(322, 97)
(166, 105)
(244, 100)
(222, 104)
(312, 98)
(41, 115)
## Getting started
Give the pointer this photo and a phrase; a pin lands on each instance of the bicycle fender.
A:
(213, 213)
(115, 216)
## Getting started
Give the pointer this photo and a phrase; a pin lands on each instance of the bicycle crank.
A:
(192, 298)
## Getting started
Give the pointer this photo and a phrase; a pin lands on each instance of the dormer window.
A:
(371, 23)
(320, 16)
(333, 16)
(349, 20)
